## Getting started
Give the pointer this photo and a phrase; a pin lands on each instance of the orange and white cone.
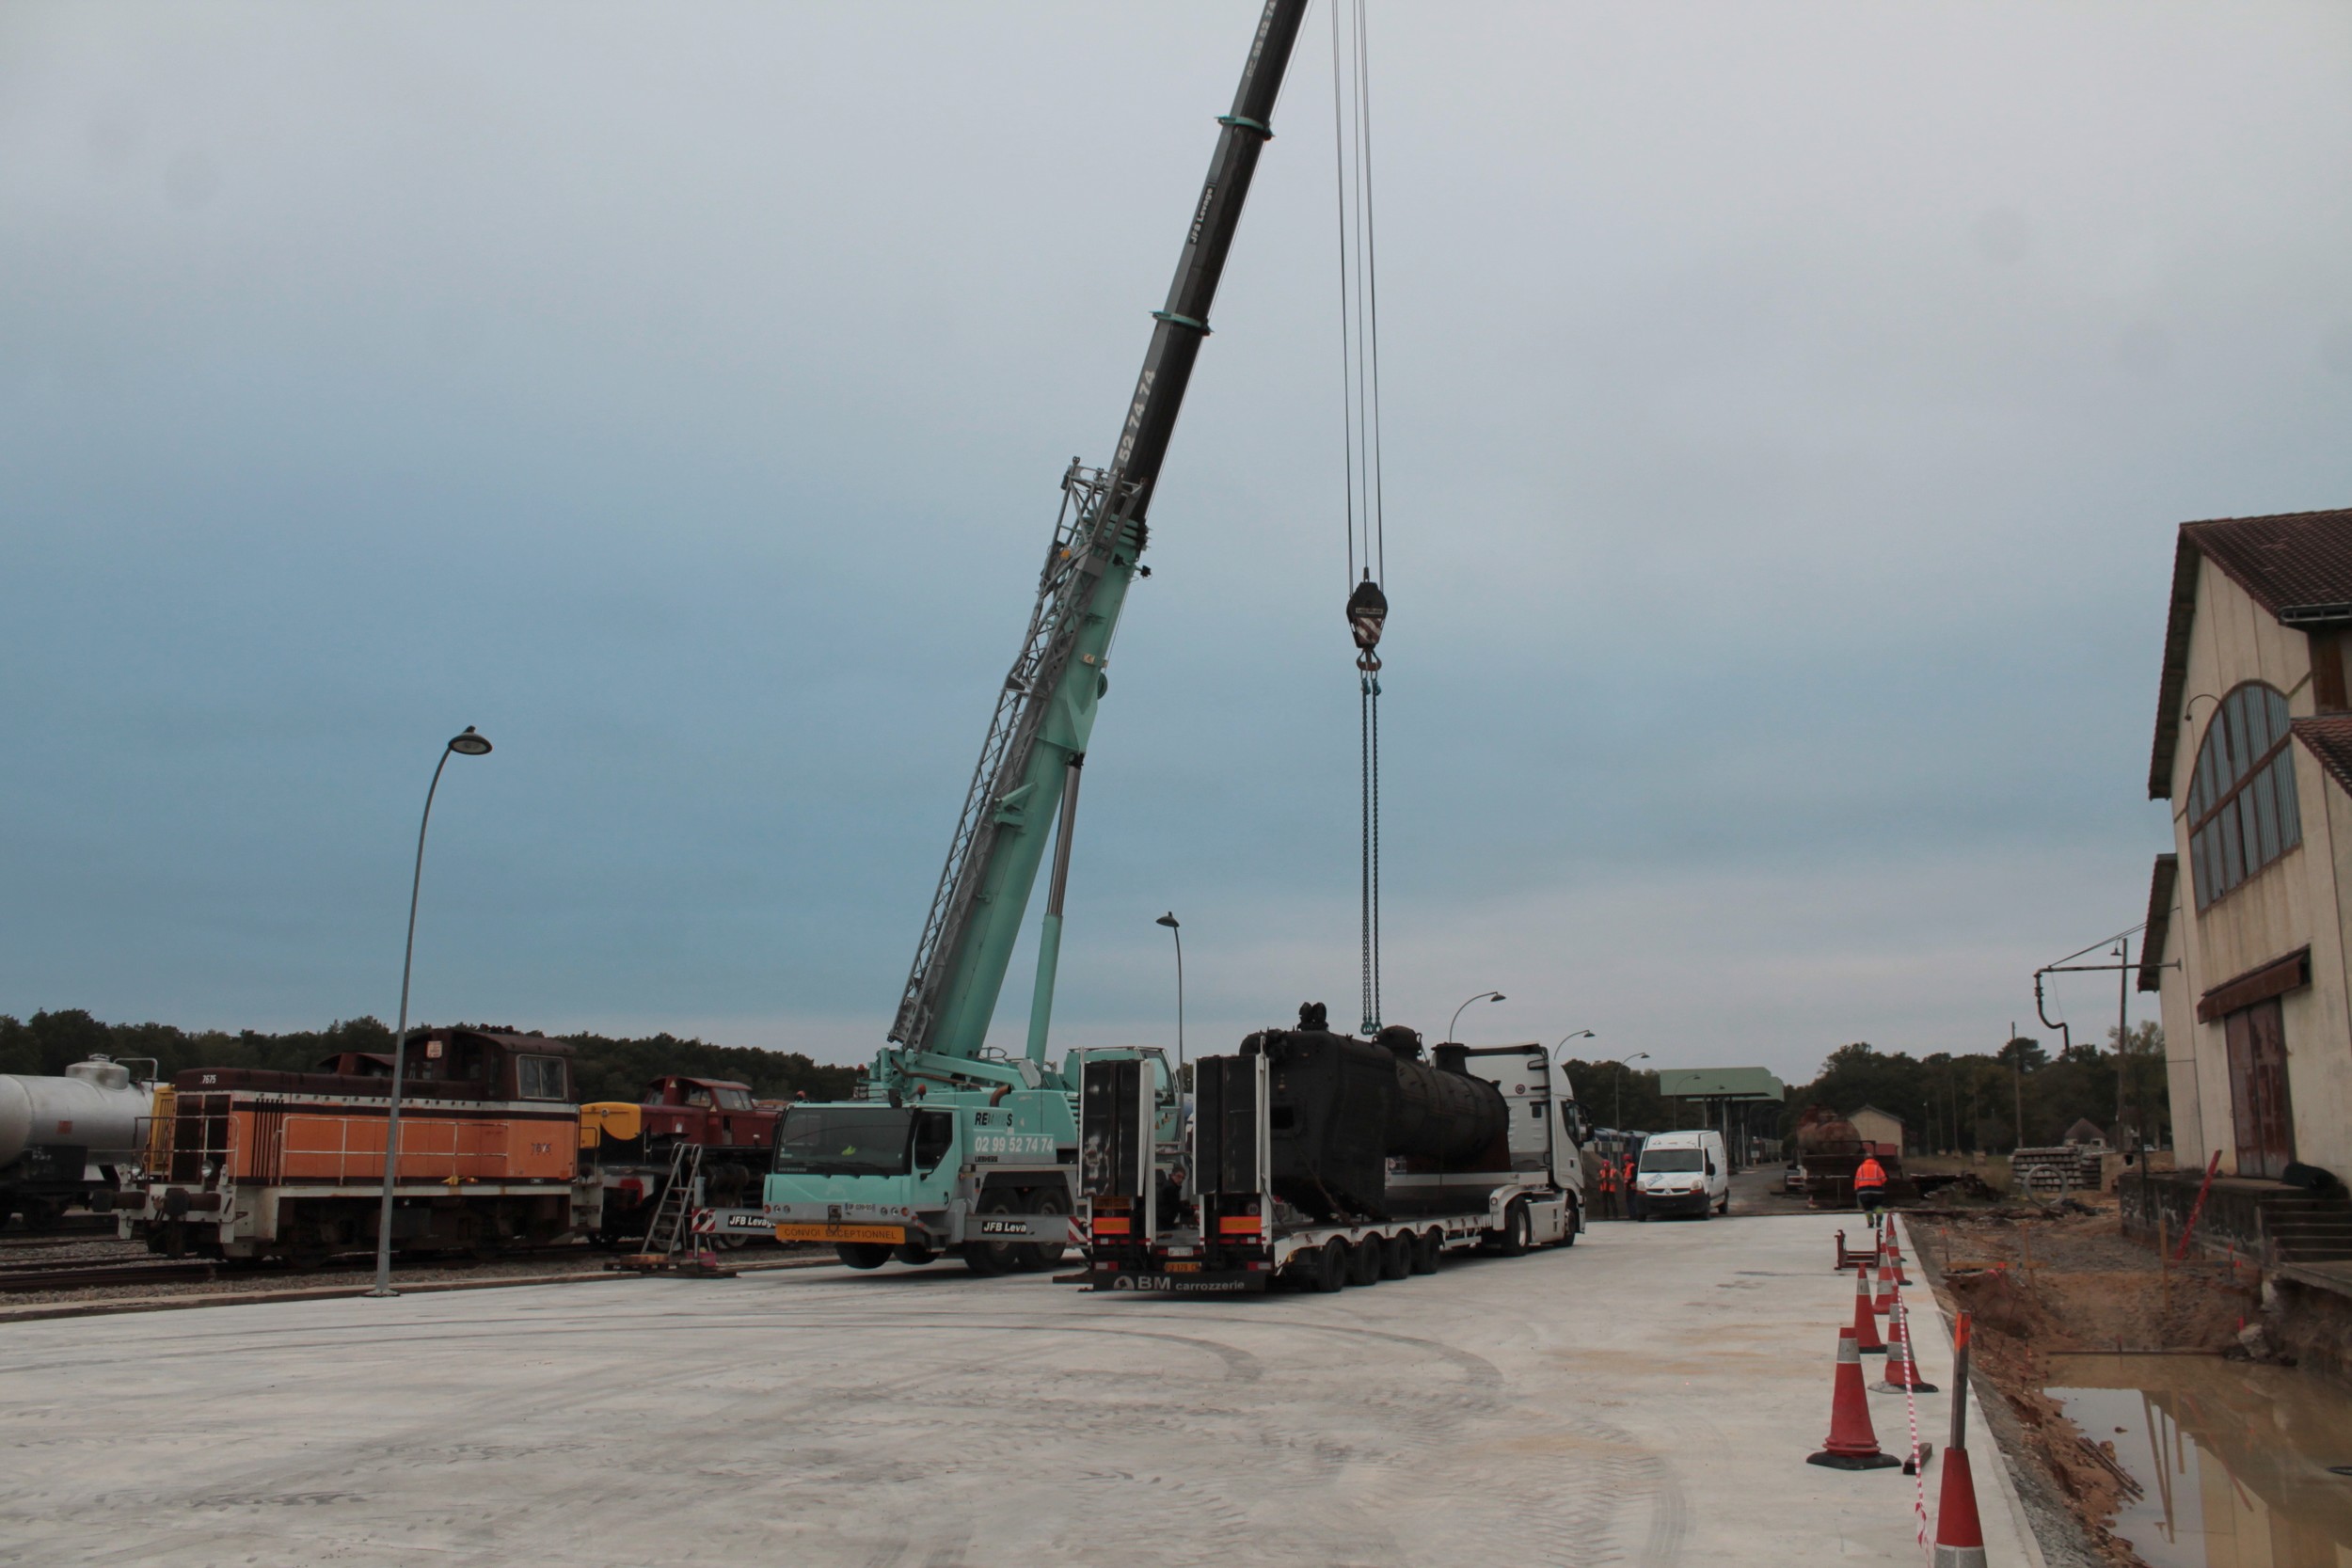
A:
(1902, 1372)
(1885, 1304)
(1959, 1533)
(1894, 1254)
(1865, 1322)
(1854, 1442)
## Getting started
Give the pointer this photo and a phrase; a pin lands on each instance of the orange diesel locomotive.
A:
(246, 1162)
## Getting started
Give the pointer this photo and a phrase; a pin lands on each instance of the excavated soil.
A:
(2035, 1284)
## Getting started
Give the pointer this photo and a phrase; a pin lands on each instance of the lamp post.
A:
(1579, 1035)
(470, 744)
(1175, 929)
(1622, 1062)
(1482, 996)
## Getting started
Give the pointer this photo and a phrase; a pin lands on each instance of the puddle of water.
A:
(2233, 1461)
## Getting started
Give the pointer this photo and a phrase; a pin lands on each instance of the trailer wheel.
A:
(1575, 1219)
(1519, 1229)
(861, 1255)
(1427, 1248)
(1331, 1269)
(1396, 1256)
(1364, 1261)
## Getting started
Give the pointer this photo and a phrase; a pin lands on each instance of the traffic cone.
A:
(1865, 1322)
(1959, 1534)
(1895, 1254)
(1853, 1443)
(1901, 1370)
(1885, 1304)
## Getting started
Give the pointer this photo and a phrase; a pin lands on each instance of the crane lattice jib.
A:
(1100, 528)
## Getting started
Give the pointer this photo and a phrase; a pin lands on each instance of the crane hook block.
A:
(1367, 614)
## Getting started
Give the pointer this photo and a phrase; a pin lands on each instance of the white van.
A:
(1684, 1172)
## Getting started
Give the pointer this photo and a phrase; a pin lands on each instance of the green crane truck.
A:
(952, 1145)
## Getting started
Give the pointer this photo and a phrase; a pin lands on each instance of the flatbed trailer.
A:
(1233, 1230)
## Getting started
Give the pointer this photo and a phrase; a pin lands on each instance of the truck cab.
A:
(988, 1175)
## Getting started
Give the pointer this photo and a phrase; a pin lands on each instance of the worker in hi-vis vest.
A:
(1608, 1189)
(1869, 1184)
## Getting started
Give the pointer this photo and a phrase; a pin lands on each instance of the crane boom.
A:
(1045, 710)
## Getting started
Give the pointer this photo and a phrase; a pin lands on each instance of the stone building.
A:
(2250, 916)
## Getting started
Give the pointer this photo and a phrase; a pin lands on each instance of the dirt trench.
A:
(2037, 1283)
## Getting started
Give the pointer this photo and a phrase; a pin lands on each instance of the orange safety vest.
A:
(1609, 1180)
(1871, 1173)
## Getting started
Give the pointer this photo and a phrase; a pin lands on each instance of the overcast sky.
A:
(1787, 411)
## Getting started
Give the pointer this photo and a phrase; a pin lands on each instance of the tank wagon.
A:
(67, 1139)
(1323, 1160)
(628, 1146)
(248, 1162)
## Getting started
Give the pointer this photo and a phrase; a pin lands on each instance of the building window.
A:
(2242, 809)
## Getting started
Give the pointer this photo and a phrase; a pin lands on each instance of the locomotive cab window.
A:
(735, 1100)
(539, 1078)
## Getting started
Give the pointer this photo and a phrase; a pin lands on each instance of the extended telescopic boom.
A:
(1046, 712)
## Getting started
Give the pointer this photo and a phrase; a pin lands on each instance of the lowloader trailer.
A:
(1323, 1159)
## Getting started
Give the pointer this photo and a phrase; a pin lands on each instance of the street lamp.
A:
(470, 744)
(1482, 996)
(1637, 1056)
(1175, 929)
(1579, 1035)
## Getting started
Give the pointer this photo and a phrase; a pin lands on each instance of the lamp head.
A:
(471, 744)
(1167, 920)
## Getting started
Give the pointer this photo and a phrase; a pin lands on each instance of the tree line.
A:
(604, 1068)
(1991, 1102)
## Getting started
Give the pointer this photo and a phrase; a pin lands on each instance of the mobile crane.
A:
(953, 1145)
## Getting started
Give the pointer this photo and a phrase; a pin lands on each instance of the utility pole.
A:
(2122, 1026)
(2017, 1065)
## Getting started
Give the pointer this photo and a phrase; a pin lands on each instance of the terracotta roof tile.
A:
(2298, 566)
(2329, 737)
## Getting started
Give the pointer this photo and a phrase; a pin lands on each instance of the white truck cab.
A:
(1683, 1173)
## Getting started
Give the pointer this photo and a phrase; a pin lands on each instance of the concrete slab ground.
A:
(1647, 1397)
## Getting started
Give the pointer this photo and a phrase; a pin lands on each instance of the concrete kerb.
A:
(108, 1306)
(1933, 1354)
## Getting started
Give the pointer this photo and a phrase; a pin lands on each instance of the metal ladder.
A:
(667, 1233)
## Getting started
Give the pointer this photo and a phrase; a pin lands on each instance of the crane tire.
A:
(857, 1255)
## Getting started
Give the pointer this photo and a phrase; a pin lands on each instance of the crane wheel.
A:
(859, 1255)
(1038, 1257)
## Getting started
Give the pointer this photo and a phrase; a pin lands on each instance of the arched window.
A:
(2242, 811)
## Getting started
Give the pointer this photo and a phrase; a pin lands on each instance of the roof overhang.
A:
(2162, 884)
(2174, 681)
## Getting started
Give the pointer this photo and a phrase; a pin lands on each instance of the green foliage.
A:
(1604, 1087)
(608, 1069)
(1974, 1101)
